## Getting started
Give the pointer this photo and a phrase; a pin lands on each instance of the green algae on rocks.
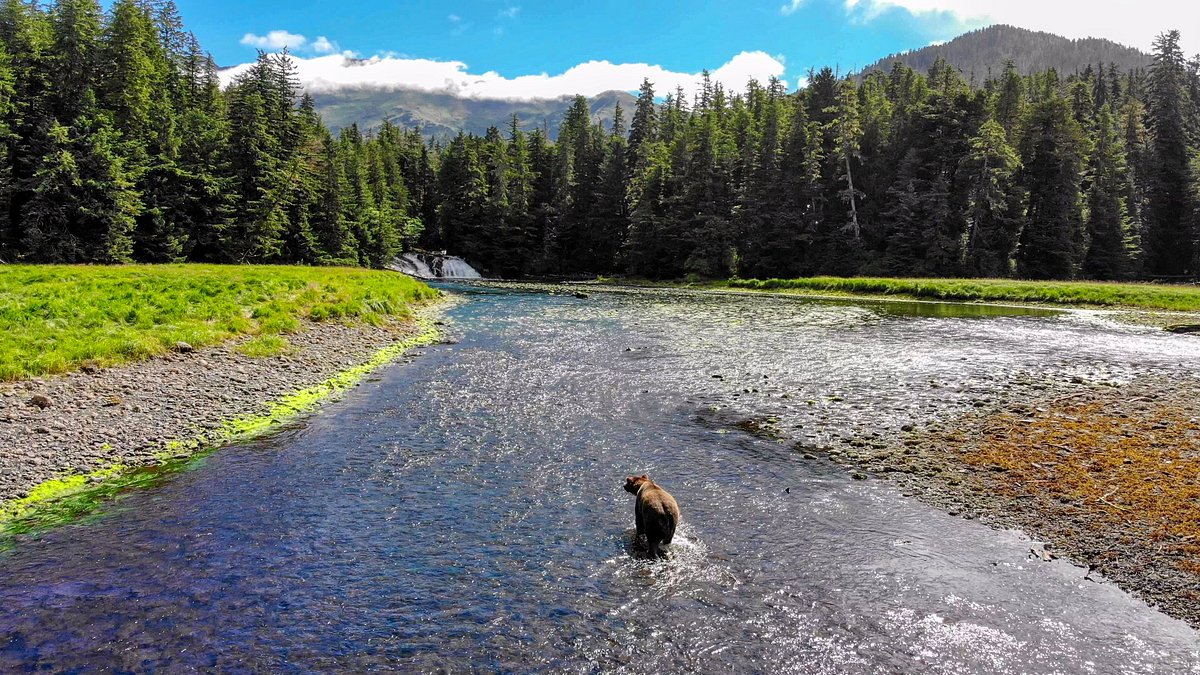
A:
(72, 497)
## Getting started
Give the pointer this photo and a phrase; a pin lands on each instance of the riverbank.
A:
(59, 318)
(1163, 305)
(64, 434)
(1104, 475)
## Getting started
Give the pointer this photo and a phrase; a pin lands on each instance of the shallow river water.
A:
(463, 510)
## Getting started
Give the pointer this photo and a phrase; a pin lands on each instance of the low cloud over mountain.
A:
(336, 72)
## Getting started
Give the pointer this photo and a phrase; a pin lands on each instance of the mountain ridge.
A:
(443, 114)
(978, 54)
(983, 52)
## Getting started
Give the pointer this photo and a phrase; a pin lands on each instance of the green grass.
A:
(265, 346)
(54, 319)
(1089, 293)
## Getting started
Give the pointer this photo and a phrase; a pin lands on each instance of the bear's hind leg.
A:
(652, 547)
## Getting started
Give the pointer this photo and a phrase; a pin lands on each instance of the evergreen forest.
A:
(119, 144)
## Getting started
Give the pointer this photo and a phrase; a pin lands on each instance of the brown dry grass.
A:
(1136, 470)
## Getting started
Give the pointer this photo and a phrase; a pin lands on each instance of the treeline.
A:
(899, 174)
(120, 145)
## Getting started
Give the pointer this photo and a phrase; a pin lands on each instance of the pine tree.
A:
(1008, 105)
(650, 246)
(205, 204)
(1137, 150)
(643, 129)
(1052, 158)
(515, 250)
(9, 232)
(611, 212)
(83, 206)
(578, 246)
(1107, 219)
(847, 132)
(77, 28)
(994, 216)
(334, 243)
(462, 191)
(1170, 230)
(27, 36)
(544, 199)
(258, 171)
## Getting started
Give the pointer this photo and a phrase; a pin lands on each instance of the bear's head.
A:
(635, 483)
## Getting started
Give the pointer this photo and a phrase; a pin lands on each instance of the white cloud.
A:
(509, 12)
(791, 7)
(275, 40)
(339, 71)
(454, 18)
(1130, 22)
(323, 45)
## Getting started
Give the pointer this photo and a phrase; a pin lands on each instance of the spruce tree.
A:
(514, 250)
(1107, 218)
(334, 243)
(994, 216)
(27, 35)
(77, 28)
(1170, 230)
(1051, 154)
(83, 205)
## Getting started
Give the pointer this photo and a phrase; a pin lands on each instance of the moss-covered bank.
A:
(71, 496)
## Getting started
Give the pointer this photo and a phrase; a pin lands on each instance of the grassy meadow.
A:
(57, 318)
(1171, 297)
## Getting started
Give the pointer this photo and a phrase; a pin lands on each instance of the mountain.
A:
(985, 51)
(442, 114)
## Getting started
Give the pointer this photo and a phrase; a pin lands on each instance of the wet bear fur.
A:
(656, 513)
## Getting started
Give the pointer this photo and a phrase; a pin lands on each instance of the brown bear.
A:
(656, 513)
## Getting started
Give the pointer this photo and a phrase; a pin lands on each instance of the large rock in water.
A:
(434, 266)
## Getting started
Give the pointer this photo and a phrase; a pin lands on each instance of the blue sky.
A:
(514, 38)
(530, 36)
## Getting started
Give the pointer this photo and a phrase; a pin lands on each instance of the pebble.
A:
(63, 424)
(41, 401)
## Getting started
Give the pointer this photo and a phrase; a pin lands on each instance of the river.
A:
(463, 509)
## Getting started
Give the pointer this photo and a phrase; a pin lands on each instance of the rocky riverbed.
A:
(95, 418)
(1107, 476)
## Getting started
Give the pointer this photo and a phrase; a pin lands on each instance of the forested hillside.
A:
(120, 145)
(983, 53)
(444, 114)
(901, 174)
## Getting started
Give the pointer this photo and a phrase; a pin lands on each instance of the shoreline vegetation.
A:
(1145, 297)
(127, 403)
(56, 319)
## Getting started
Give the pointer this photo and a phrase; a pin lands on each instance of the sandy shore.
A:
(93, 419)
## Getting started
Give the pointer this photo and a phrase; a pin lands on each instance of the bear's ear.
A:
(646, 476)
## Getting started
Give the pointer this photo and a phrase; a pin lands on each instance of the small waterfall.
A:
(457, 268)
(412, 265)
(433, 266)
